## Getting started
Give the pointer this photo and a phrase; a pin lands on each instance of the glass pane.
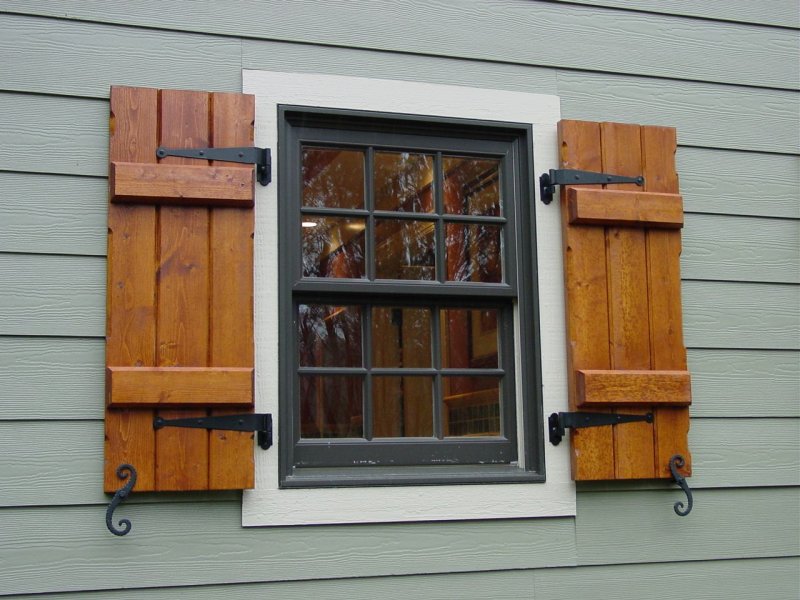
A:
(329, 336)
(405, 249)
(473, 252)
(471, 186)
(469, 338)
(471, 406)
(333, 178)
(402, 406)
(331, 406)
(401, 337)
(403, 182)
(333, 247)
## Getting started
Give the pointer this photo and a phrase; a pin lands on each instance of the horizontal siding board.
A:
(53, 214)
(63, 378)
(69, 549)
(641, 527)
(52, 295)
(720, 314)
(611, 40)
(83, 59)
(38, 293)
(44, 134)
(773, 578)
(745, 383)
(739, 183)
(780, 13)
(38, 470)
(705, 115)
(741, 249)
(52, 378)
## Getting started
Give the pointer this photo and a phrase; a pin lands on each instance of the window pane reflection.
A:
(471, 406)
(331, 406)
(403, 182)
(469, 338)
(473, 252)
(333, 178)
(333, 247)
(405, 249)
(471, 186)
(329, 336)
(401, 337)
(402, 406)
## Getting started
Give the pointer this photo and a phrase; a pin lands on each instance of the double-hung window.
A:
(406, 258)
(409, 312)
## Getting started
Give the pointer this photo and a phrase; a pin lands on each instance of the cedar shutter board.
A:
(180, 291)
(623, 306)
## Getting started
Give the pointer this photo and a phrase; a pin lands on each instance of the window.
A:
(404, 244)
(398, 289)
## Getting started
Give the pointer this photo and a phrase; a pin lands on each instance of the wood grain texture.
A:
(138, 183)
(203, 543)
(231, 462)
(707, 115)
(715, 527)
(613, 387)
(625, 209)
(611, 40)
(131, 296)
(586, 303)
(178, 386)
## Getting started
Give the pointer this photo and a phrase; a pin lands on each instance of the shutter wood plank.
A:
(131, 322)
(170, 386)
(586, 303)
(183, 295)
(626, 265)
(613, 387)
(659, 145)
(624, 209)
(181, 184)
(231, 462)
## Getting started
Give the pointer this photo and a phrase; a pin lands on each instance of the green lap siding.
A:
(726, 74)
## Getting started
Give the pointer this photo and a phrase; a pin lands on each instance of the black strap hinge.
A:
(549, 181)
(260, 423)
(261, 157)
(558, 423)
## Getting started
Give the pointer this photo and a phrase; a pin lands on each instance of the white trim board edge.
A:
(269, 505)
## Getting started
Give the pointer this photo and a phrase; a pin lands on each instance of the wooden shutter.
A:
(622, 273)
(180, 290)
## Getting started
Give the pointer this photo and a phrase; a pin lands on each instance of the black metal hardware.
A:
(261, 157)
(559, 422)
(677, 462)
(123, 472)
(260, 423)
(549, 181)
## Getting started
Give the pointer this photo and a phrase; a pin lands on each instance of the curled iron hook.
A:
(123, 472)
(675, 463)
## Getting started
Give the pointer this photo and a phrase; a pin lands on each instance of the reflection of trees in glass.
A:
(402, 181)
(474, 253)
(333, 247)
(333, 178)
(329, 335)
(405, 249)
(471, 186)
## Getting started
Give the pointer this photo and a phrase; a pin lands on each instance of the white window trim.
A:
(269, 505)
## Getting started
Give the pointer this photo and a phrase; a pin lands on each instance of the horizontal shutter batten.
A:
(618, 387)
(168, 184)
(615, 208)
(179, 386)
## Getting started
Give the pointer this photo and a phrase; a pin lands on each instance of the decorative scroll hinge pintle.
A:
(549, 181)
(261, 157)
(558, 423)
(259, 423)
